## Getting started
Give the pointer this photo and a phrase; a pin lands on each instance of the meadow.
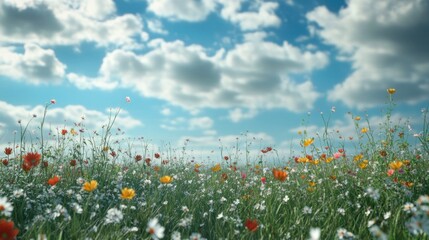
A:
(75, 183)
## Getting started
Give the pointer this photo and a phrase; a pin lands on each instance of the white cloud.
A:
(166, 111)
(263, 15)
(192, 11)
(67, 23)
(238, 114)
(155, 26)
(200, 123)
(255, 36)
(387, 45)
(59, 117)
(36, 65)
(251, 75)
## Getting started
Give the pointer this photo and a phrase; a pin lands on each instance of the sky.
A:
(213, 72)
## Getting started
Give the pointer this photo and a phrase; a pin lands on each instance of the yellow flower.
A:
(357, 118)
(73, 132)
(329, 159)
(166, 179)
(128, 193)
(391, 90)
(308, 142)
(90, 186)
(311, 183)
(395, 165)
(357, 157)
(364, 130)
(363, 164)
(216, 168)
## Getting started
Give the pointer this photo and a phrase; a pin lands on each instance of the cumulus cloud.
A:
(67, 23)
(191, 11)
(251, 75)
(58, 117)
(36, 65)
(386, 43)
(200, 123)
(155, 26)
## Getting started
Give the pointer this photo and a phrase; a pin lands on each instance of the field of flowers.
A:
(73, 183)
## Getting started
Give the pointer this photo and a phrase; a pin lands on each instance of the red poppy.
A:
(113, 154)
(32, 159)
(147, 160)
(73, 162)
(226, 158)
(263, 180)
(5, 162)
(157, 155)
(7, 230)
(26, 166)
(8, 151)
(54, 180)
(138, 158)
(251, 225)
(64, 132)
(280, 174)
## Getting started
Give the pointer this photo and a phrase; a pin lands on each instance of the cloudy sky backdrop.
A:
(209, 69)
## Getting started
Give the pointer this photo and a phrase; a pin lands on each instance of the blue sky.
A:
(212, 69)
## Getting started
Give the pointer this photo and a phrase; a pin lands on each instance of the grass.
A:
(376, 186)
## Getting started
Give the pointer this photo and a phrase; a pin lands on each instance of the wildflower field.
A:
(74, 183)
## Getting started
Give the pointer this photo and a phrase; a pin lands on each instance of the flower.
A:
(390, 172)
(90, 186)
(128, 193)
(226, 158)
(363, 164)
(8, 230)
(157, 155)
(308, 142)
(337, 155)
(357, 118)
(54, 180)
(127, 99)
(364, 130)
(53, 101)
(251, 225)
(32, 159)
(155, 229)
(5, 162)
(216, 168)
(314, 233)
(8, 151)
(280, 174)
(166, 179)
(64, 132)
(391, 91)
(6, 207)
(73, 162)
(114, 215)
(138, 158)
(395, 165)
(263, 180)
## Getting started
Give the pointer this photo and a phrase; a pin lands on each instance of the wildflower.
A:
(138, 158)
(175, 235)
(8, 151)
(387, 215)
(73, 162)
(8, 230)
(364, 130)
(314, 233)
(395, 165)
(157, 155)
(54, 180)
(216, 168)
(409, 207)
(90, 186)
(224, 177)
(166, 179)
(390, 172)
(243, 175)
(357, 118)
(263, 180)
(342, 233)
(26, 166)
(391, 91)
(5, 162)
(114, 215)
(128, 193)
(286, 199)
(280, 174)
(363, 164)
(337, 155)
(64, 132)
(307, 142)
(6, 207)
(341, 211)
(53, 101)
(307, 210)
(251, 225)
(127, 99)
(383, 153)
(73, 132)
(155, 229)
(226, 158)
(32, 159)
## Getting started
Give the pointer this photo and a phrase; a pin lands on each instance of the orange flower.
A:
(391, 90)
(363, 164)
(54, 180)
(32, 159)
(357, 118)
(307, 142)
(7, 230)
(312, 184)
(128, 193)
(216, 168)
(90, 186)
(251, 225)
(166, 179)
(395, 165)
(280, 174)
